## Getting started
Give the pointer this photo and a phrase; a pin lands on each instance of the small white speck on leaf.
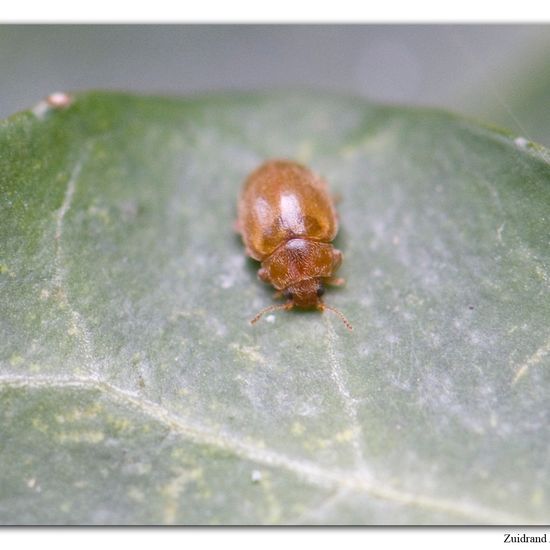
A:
(521, 142)
(226, 281)
(256, 476)
(270, 318)
(57, 100)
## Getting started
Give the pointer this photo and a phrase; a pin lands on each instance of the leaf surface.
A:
(133, 388)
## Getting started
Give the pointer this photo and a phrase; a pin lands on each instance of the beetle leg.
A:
(335, 281)
(337, 258)
(262, 275)
(278, 295)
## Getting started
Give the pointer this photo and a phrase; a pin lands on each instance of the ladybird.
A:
(287, 221)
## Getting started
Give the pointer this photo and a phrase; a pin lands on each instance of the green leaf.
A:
(133, 388)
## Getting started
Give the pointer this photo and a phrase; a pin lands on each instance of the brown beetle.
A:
(287, 221)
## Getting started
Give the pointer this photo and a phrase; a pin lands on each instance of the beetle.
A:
(287, 220)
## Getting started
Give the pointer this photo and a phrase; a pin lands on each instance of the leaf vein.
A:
(354, 482)
(533, 360)
(78, 325)
(349, 403)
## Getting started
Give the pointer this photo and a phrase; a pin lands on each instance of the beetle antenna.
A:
(288, 305)
(339, 313)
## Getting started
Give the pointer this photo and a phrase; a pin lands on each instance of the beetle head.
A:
(306, 294)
